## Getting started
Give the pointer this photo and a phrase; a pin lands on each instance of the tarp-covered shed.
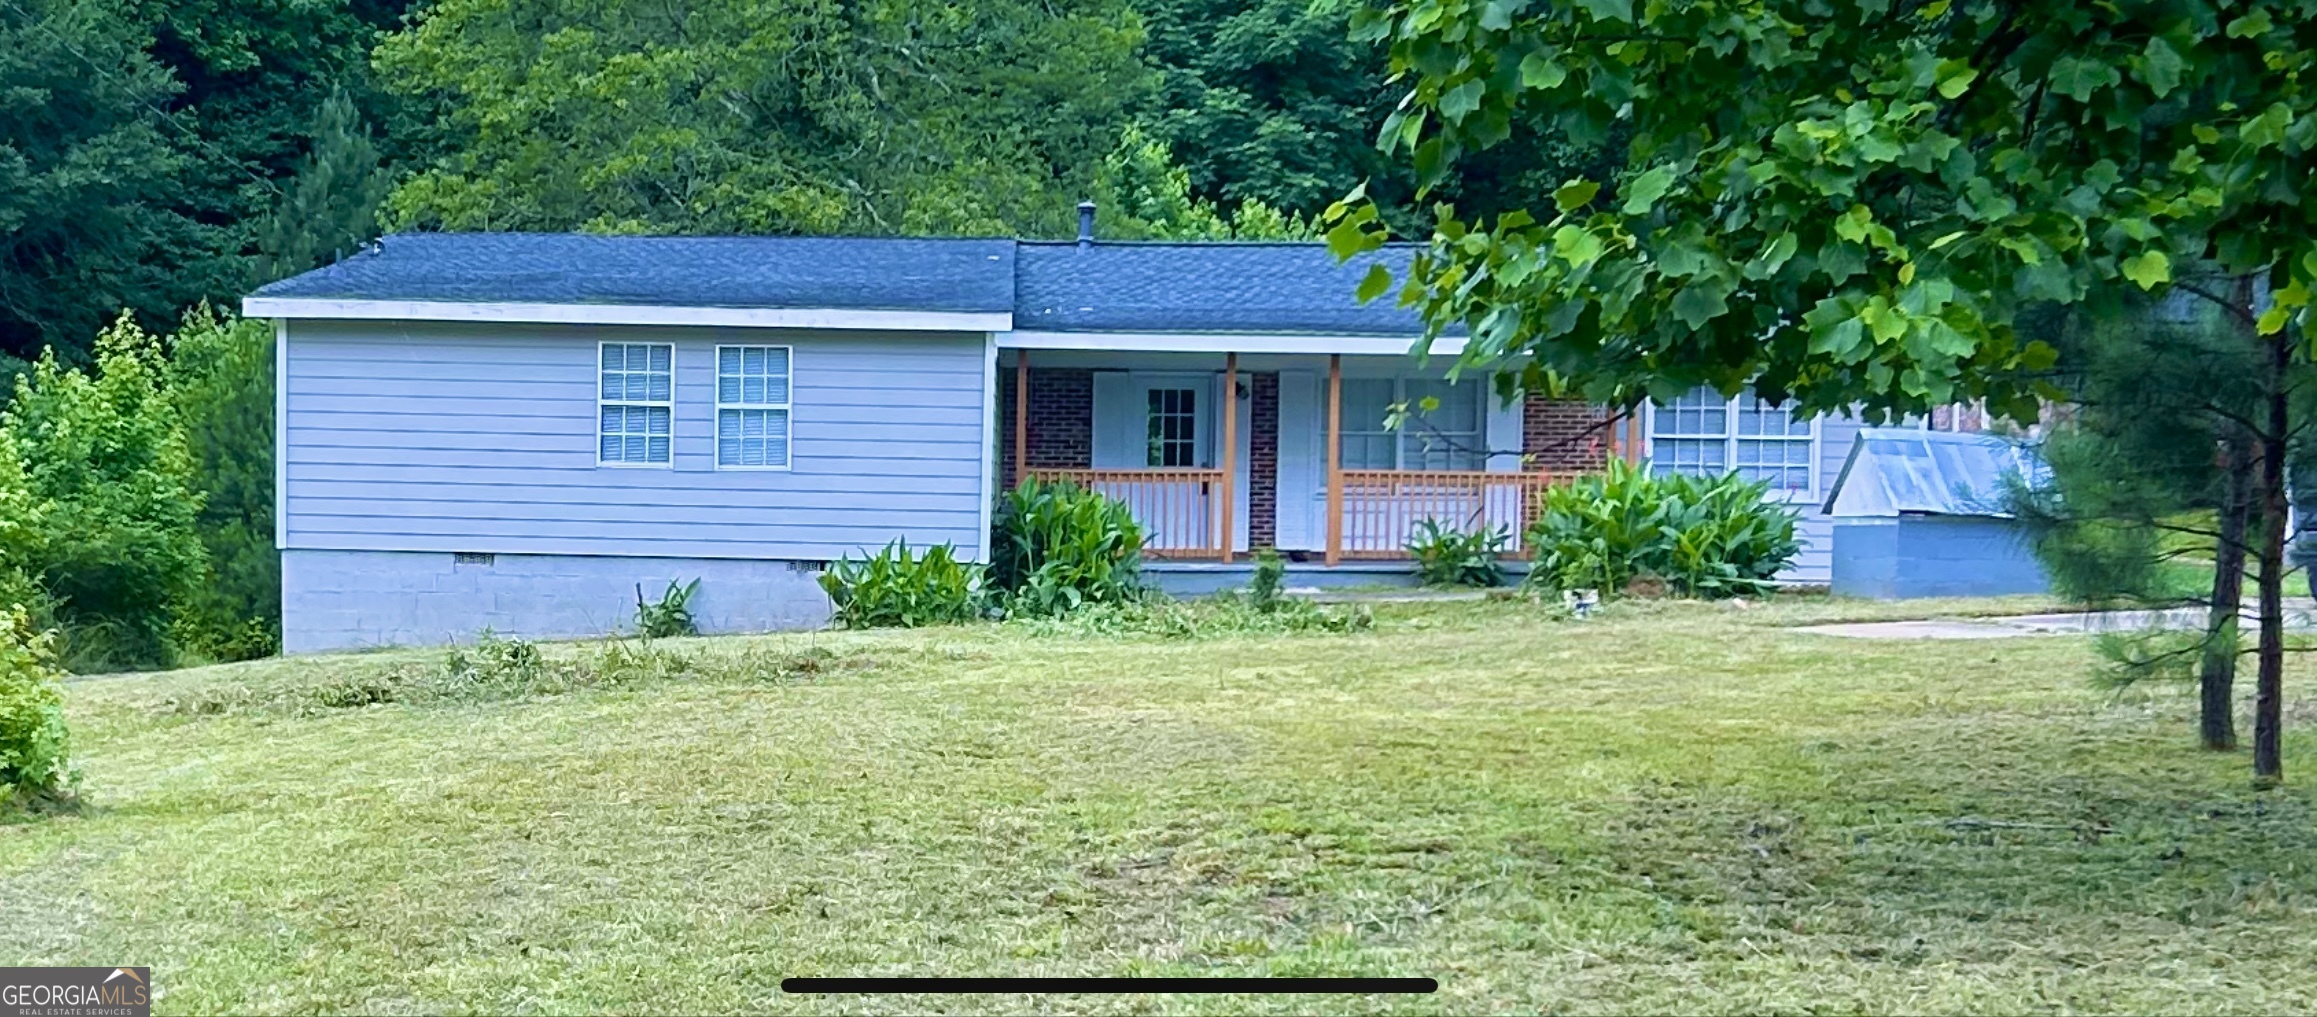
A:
(1921, 514)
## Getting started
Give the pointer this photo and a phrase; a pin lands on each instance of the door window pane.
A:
(1173, 427)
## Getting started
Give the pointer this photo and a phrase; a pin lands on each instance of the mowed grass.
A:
(1675, 807)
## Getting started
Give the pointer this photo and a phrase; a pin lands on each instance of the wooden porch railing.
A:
(1181, 512)
(1382, 508)
(1180, 509)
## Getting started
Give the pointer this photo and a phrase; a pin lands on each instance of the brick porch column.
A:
(1263, 460)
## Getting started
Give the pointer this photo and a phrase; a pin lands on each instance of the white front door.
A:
(1168, 420)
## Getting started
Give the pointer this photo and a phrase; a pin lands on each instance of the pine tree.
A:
(2160, 457)
(331, 206)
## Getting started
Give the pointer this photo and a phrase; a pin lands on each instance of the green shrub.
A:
(1266, 590)
(34, 744)
(1450, 557)
(672, 616)
(109, 502)
(896, 587)
(1060, 546)
(1700, 536)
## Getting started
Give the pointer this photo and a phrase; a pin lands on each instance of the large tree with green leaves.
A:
(763, 116)
(1273, 101)
(141, 144)
(91, 169)
(1850, 202)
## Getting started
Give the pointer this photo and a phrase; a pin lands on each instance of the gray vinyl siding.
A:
(1815, 566)
(451, 437)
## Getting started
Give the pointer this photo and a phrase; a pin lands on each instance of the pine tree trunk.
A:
(2268, 699)
(2218, 676)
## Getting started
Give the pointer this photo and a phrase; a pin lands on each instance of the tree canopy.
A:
(141, 144)
(1849, 202)
(763, 116)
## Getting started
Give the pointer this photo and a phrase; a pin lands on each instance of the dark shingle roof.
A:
(1243, 288)
(1248, 288)
(752, 272)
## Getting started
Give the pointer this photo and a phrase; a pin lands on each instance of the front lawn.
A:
(1676, 807)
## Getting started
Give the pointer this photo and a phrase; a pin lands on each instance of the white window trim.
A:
(600, 402)
(1730, 439)
(788, 461)
(1400, 437)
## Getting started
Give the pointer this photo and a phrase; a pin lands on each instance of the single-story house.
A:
(521, 431)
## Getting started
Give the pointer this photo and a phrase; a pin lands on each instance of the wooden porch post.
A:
(1021, 415)
(1230, 449)
(1335, 472)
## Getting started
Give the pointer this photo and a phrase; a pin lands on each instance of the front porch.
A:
(1221, 453)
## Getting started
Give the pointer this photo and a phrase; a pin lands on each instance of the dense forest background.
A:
(160, 158)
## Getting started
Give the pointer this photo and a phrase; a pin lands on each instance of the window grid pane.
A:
(1449, 437)
(1173, 427)
(752, 406)
(1702, 434)
(635, 393)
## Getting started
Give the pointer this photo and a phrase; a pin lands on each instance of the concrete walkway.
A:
(2299, 614)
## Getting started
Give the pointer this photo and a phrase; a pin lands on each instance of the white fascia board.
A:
(629, 314)
(1211, 342)
(990, 446)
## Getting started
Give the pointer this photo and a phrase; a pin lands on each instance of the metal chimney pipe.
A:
(1085, 224)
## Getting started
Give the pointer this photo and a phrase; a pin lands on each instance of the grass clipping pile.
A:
(498, 668)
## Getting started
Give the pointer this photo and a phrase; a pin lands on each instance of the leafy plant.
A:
(1214, 617)
(672, 616)
(1264, 590)
(898, 587)
(34, 743)
(1446, 556)
(1700, 536)
(1060, 546)
(494, 658)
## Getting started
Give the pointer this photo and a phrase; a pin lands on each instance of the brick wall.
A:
(1262, 460)
(1563, 435)
(1061, 419)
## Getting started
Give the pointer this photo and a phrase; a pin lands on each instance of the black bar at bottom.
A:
(1111, 986)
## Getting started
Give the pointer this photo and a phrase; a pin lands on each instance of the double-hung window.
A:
(1704, 434)
(636, 397)
(1452, 436)
(752, 407)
